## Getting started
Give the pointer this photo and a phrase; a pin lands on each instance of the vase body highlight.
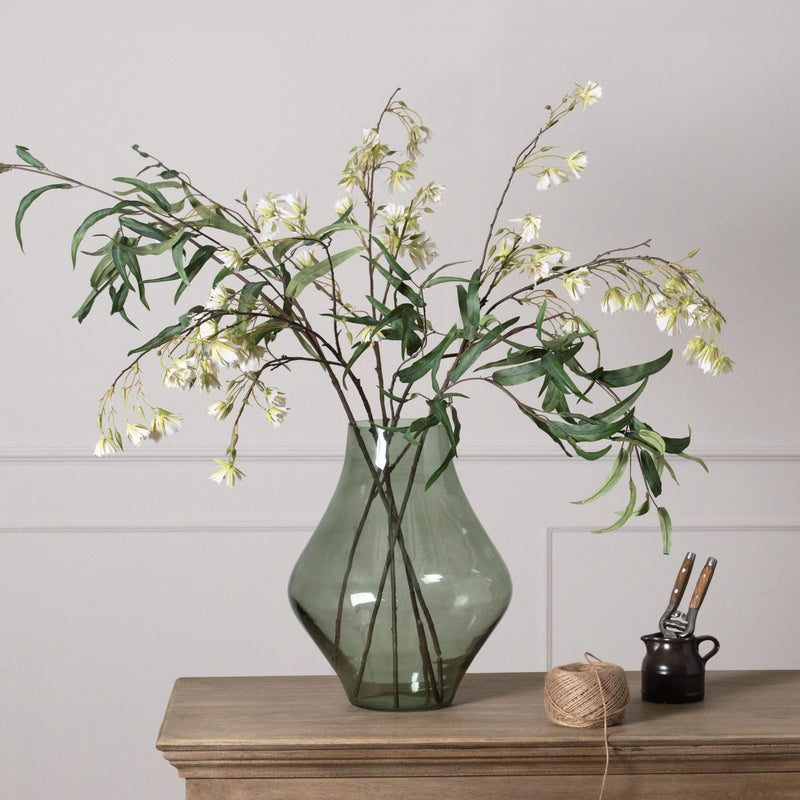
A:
(399, 586)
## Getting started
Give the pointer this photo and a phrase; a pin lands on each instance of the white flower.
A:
(276, 410)
(294, 207)
(577, 162)
(305, 257)
(228, 472)
(207, 329)
(231, 259)
(422, 251)
(570, 325)
(181, 374)
(220, 409)
(577, 283)
(137, 433)
(655, 301)
(400, 177)
(105, 447)
(432, 193)
(667, 320)
(371, 137)
(393, 214)
(267, 229)
(164, 423)
(529, 227)
(268, 214)
(551, 176)
(613, 300)
(589, 93)
(218, 297)
(224, 351)
(343, 205)
(370, 332)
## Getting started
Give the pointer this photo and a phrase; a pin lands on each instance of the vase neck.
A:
(382, 450)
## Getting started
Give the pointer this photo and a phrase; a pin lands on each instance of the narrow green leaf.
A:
(473, 353)
(652, 439)
(624, 515)
(695, 459)
(513, 376)
(611, 480)
(314, 272)
(149, 190)
(624, 405)
(676, 446)
(540, 320)
(665, 522)
(401, 286)
(587, 429)
(630, 375)
(391, 260)
(26, 156)
(248, 295)
(650, 472)
(28, 200)
(591, 455)
(433, 278)
(91, 220)
(430, 361)
(143, 229)
(165, 335)
(469, 306)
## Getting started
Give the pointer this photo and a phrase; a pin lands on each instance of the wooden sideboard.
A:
(297, 737)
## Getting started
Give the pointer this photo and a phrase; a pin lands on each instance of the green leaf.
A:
(587, 430)
(26, 156)
(165, 335)
(149, 190)
(248, 295)
(433, 278)
(143, 229)
(470, 306)
(624, 405)
(695, 459)
(391, 260)
(91, 220)
(650, 439)
(650, 472)
(611, 480)
(512, 376)
(315, 271)
(473, 353)
(591, 455)
(540, 320)
(28, 200)
(676, 446)
(665, 522)
(453, 434)
(630, 375)
(624, 515)
(430, 361)
(401, 286)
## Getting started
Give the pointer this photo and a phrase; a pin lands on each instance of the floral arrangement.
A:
(387, 360)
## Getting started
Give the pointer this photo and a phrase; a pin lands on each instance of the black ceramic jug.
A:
(673, 670)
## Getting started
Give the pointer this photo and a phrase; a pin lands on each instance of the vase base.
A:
(402, 702)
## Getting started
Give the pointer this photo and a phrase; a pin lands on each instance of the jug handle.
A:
(714, 650)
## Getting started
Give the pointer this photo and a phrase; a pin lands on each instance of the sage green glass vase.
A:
(399, 586)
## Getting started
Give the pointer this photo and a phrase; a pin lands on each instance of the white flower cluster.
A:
(273, 211)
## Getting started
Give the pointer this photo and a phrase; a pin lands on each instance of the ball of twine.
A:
(591, 694)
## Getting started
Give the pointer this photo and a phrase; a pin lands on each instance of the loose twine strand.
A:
(587, 695)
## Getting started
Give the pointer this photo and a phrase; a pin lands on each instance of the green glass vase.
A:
(399, 586)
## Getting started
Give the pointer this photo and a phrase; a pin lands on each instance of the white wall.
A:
(118, 576)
